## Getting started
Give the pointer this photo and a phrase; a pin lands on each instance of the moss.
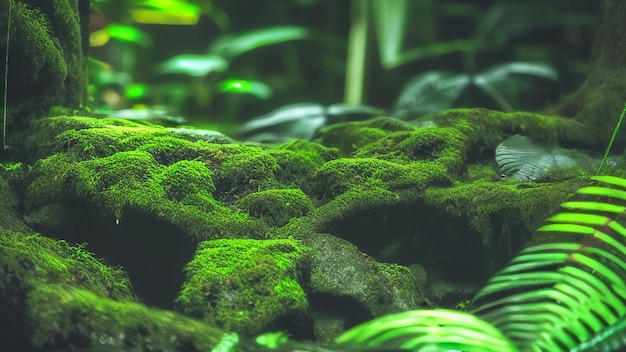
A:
(9, 219)
(344, 206)
(503, 214)
(299, 159)
(30, 260)
(46, 62)
(401, 284)
(446, 146)
(185, 178)
(242, 170)
(277, 206)
(82, 137)
(337, 176)
(350, 136)
(117, 181)
(245, 285)
(360, 285)
(47, 186)
(62, 317)
(485, 129)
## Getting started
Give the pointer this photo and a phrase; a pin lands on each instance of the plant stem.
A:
(608, 148)
(6, 81)
(357, 48)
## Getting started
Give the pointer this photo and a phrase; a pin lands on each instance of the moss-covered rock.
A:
(144, 197)
(46, 66)
(277, 206)
(348, 286)
(248, 286)
(62, 317)
(9, 217)
(30, 261)
(492, 221)
(350, 136)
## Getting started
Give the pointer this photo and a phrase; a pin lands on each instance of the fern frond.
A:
(556, 296)
(426, 330)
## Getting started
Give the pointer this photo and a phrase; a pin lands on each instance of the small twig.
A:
(608, 148)
(6, 82)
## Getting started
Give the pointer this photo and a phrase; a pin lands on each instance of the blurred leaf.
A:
(258, 89)
(136, 91)
(231, 46)
(429, 93)
(165, 12)
(119, 32)
(390, 19)
(426, 330)
(301, 121)
(525, 159)
(508, 17)
(193, 65)
(284, 124)
(504, 84)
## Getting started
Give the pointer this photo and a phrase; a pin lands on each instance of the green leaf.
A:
(426, 329)
(129, 34)
(193, 65)
(231, 46)
(257, 89)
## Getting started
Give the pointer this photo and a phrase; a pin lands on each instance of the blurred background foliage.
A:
(220, 63)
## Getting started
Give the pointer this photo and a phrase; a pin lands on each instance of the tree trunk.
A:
(599, 101)
(46, 63)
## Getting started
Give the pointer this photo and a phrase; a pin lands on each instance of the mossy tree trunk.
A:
(598, 103)
(46, 61)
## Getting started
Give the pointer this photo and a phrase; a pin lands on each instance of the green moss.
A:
(46, 62)
(504, 214)
(446, 146)
(244, 285)
(298, 160)
(350, 136)
(9, 219)
(344, 206)
(337, 176)
(31, 260)
(47, 185)
(277, 206)
(241, 170)
(117, 181)
(485, 129)
(84, 137)
(185, 178)
(60, 316)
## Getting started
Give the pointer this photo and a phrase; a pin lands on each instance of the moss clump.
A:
(30, 260)
(63, 317)
(186, 178)
(179, 194)
(245, 285)
(9, 219)
(485, 129)
(337, 176)
(361, 286)
(351, 136)
(242, 170)
(83, 137)
(119, 180)
(446, 146)
(503, 215)
(299, 159)
(277, 206)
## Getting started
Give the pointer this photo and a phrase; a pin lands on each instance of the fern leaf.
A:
(421, 330)
(557, 296)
